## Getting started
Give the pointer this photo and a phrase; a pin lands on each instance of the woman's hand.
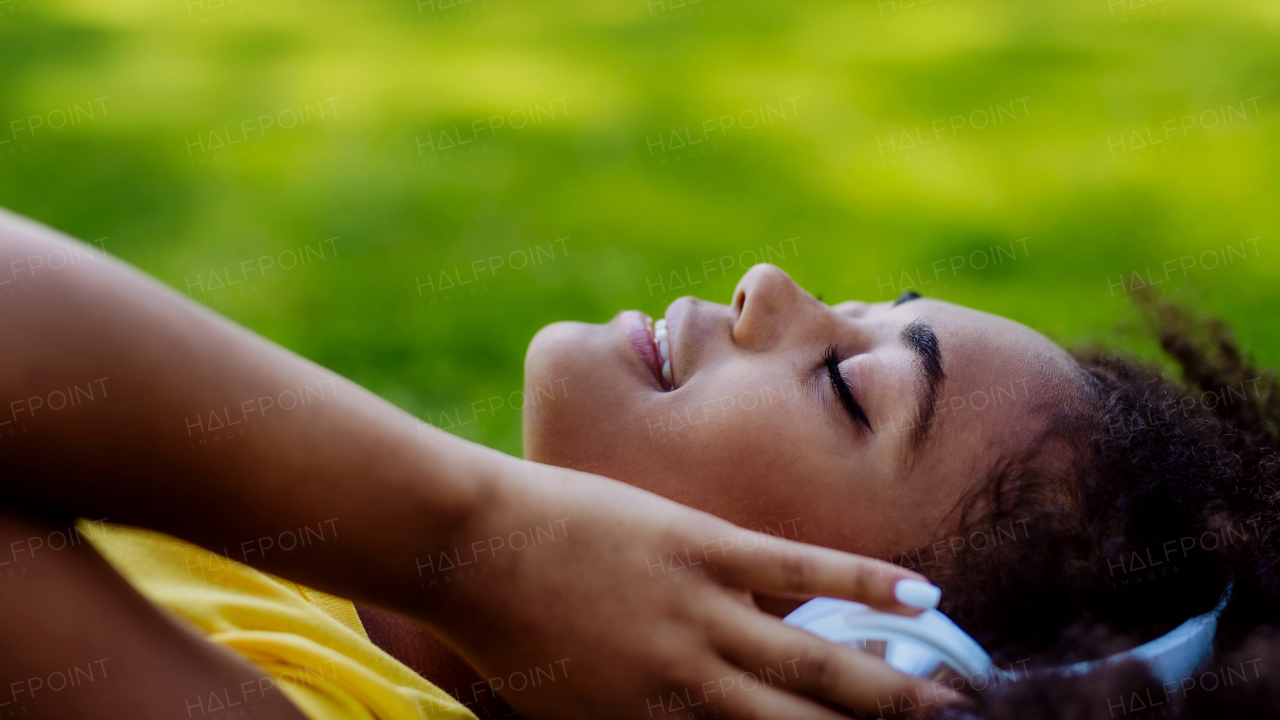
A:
(581, 597)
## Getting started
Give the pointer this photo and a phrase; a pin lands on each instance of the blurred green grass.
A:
(630, 71)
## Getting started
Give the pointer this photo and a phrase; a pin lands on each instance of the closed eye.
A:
(842, 390)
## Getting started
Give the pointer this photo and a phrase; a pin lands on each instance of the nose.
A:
(762, 302)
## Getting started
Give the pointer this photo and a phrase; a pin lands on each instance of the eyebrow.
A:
(920, 338)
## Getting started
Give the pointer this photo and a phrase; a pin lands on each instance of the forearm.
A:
(124, 400)
(80, 641)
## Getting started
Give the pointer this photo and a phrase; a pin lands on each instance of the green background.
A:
(830, 184)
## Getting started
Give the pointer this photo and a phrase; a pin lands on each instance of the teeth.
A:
(664, 349)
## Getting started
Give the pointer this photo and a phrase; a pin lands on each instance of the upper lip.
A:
(675, 316)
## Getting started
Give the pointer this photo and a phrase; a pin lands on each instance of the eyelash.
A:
(842, 388)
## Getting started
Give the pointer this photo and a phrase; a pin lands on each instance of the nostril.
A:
(739, 301)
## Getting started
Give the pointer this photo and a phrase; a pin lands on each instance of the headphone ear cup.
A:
(931, 646)
(928, 646)
(941, 672)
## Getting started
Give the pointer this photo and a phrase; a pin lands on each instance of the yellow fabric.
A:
(311, 644)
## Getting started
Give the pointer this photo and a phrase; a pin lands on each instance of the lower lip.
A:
(637, 324)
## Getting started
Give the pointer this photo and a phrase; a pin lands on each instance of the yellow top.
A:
(311, 644)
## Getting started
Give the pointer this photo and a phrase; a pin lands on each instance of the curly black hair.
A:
(1136, 511)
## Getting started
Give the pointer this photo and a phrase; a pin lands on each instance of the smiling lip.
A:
(639, 329)
(675, 316)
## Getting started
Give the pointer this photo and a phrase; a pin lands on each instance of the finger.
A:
(781, 567)
(770, 703)
(796, 660)
(742, 695)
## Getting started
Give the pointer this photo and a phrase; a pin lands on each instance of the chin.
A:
(585, 401)
(545, 360)
(565, 397)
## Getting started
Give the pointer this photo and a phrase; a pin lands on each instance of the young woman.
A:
(890, 430)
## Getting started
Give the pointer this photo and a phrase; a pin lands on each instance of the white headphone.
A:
(932, 646)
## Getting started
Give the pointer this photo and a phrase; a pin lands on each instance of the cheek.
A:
(766, 460)
(748, 456)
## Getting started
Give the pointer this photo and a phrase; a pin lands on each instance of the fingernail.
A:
(917, 594)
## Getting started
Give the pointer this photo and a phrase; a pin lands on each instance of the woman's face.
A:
(755, 430)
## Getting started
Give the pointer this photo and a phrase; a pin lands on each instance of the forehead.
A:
(975, 344)
(980, 349)
(998, 373)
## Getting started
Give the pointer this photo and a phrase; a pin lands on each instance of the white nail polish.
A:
(916, 594)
